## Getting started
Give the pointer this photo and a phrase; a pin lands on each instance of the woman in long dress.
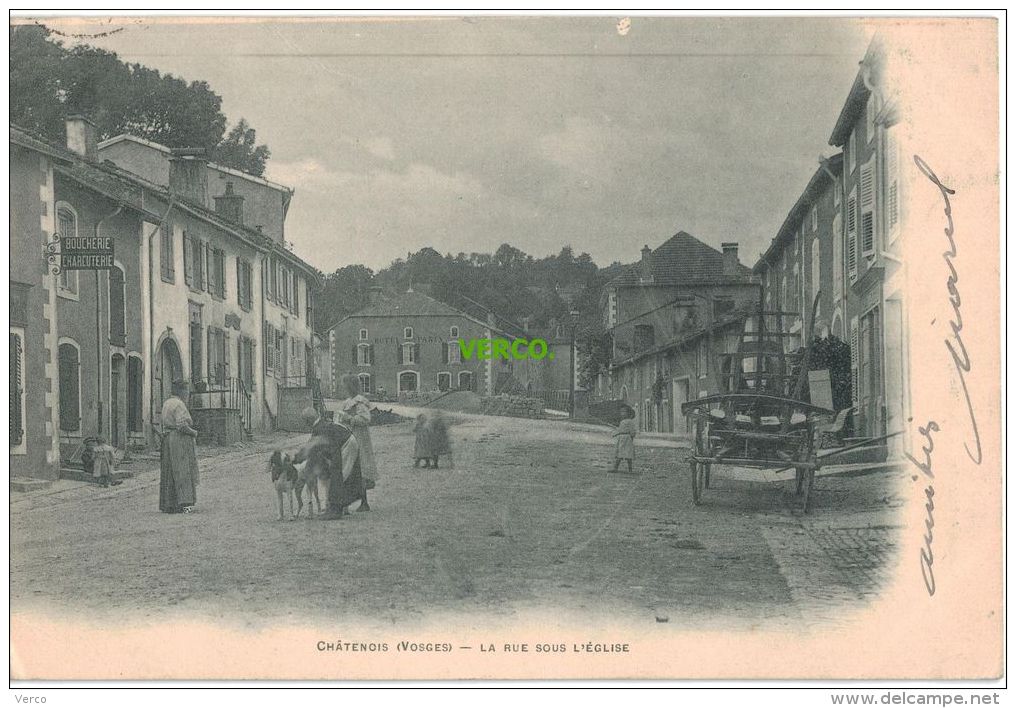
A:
(354, 413)
(179, 464)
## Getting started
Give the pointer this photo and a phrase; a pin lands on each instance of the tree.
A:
(342, 293)
(49, 82)
(239, 149)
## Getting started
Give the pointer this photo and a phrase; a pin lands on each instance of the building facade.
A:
(671, 317)
(409, 342)
(194, 293)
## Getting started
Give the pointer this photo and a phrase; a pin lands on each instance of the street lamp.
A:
(571, 382)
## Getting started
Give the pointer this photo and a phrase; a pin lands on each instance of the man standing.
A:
(335, 443)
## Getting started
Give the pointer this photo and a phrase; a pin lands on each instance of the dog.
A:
(289, 478)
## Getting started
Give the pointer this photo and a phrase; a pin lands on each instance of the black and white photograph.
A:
(416, 347)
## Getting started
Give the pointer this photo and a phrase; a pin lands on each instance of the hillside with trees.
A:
(49, 82)
(511, 283)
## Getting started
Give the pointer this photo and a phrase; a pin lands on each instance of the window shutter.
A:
(444, 352)
(854, 354)
(239, 283)
(893, 180)
(402, 353)
(416, 353)
(868, 207)
(166, 252)
(370, 355)
(852, 236)
(117, 314)
(188, 260)
(16, 387)
(296, 296)
(837, 257)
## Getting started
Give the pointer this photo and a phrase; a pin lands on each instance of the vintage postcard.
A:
(475, 347)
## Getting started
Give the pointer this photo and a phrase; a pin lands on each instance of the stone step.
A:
(82, 476)
(29, 484)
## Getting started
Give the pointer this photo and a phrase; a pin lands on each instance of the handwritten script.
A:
(962, 363)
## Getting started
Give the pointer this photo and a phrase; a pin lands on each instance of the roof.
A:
(214, 165)
(816, 186)
(409, 304)
(125, 187)
(681, 260)
(857, 98)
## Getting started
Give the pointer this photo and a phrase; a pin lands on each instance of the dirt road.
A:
(528, 517)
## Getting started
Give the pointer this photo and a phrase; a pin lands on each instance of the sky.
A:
(466, 133)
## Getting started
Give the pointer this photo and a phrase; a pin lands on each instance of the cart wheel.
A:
(696, 482)
(806, 488)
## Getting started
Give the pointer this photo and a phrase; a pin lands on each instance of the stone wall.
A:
(513, 406)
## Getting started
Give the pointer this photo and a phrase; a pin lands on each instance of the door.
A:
(135, 393)
(116, 373)
(680, 387)
(168, 367)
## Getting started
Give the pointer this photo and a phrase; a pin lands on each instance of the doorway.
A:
(168, 368)
(681, 394)
(116, 406)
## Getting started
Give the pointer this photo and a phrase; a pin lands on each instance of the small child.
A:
(103, 464)
(624, 448)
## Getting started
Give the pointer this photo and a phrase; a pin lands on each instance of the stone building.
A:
(670, 317)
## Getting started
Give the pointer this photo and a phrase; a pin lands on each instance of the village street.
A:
(528, 517)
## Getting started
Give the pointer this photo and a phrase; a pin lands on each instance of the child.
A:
(103, 464)
(624, 448)
(424, 449)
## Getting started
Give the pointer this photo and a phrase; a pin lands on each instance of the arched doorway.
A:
(408, 381)
(465, 380)
(168, 367)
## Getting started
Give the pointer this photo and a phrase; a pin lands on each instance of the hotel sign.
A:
(86, 253)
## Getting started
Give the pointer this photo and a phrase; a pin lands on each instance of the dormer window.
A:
(363, 335)
(407, 333)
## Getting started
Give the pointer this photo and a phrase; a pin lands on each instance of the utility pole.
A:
(571, 381)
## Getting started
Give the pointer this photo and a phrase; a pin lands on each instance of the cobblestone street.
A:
(527, 516)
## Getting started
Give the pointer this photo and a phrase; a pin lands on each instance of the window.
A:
(363, 335)
(309, 309)
(892, 179)
(70, 387)
(194, 262)
(218, 356)
(364, 383)
(814, 218)
(454, 332)
(867, 217)
(117, 308)
(851, 157)
(409, 381)
(244, 284)
(364, 354)
(407, 333)
(852, 235)
(444, 381)
(166, 263)
(409, 353)
(16, 422)
(837, 257)
(135, 394)
(216, 284)
(67, 227)
(296, 295)
(270, 345)
(453, 352)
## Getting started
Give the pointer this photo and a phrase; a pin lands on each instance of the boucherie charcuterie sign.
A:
(86, 253)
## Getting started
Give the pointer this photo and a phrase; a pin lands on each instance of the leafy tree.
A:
(49, 82)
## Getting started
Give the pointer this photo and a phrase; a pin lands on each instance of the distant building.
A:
(670, 317)
(408, 342)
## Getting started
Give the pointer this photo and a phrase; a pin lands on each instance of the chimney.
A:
(81, 137)
(525, 323)
(647, 264)
(374, 294)
(230, 205)
(730, 262)
(188, 177)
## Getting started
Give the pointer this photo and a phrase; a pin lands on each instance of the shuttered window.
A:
(135, 394)
(892, 184)
(852, 235)
(117, 308)
(296, 295)
(70, 390)
(269, 344)
(244, 288)
(216, 259)
(363, 352)
(816, 268)
(246, 363)
(188, 259)
(166, 262)
(867, 217)
(16, 357)
(855, 352)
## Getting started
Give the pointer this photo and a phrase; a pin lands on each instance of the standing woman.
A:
(354, 412)
(624, 448)
(179, 478)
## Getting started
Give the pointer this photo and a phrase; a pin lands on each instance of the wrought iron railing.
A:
(228, 394)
